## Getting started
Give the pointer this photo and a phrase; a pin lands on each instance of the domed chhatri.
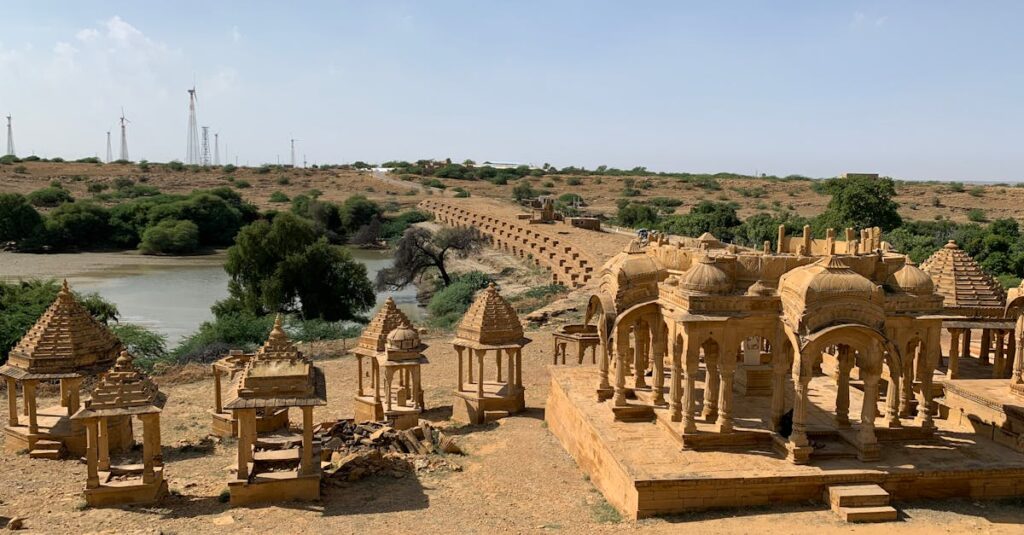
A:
(706, 277)
(277, 346)
(65, 344)
(123, 392)
(277, 377)
(912, 280)
(389, 354)
(490, 325)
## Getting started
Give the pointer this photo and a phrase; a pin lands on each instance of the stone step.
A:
(882, 513)
(52, 455)
(48, 445)
(869, 495)
(491, 416)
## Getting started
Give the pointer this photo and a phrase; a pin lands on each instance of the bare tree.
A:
(420, 250)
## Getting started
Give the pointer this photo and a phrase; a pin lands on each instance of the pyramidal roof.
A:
(65, 340)
(961, 281)
(490, 321)
(278, 346)
(375, 335)
(123, 390)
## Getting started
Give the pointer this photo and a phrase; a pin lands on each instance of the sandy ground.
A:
(516, 478)
(919, 201)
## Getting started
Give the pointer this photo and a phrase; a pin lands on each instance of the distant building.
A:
(506, 165)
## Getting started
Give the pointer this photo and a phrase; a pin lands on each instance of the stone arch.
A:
(869, 343)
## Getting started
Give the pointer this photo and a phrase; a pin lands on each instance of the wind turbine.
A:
(124, 136)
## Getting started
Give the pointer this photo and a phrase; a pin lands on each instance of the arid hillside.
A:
(919, 201)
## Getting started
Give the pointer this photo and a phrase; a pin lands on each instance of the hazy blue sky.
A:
(919, 90)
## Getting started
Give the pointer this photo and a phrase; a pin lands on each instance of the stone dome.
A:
(825, 279)
(706, 277)
(912, 280)
(404, 338)
(759, 288)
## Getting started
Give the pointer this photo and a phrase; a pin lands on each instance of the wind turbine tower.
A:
(124, 137)
(205, 156)
(192, 154)
(110, 153)
(293, 152)
(10, 137)
(216, 149)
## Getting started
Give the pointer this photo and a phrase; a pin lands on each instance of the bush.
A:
(170, 236)
(522, 191)
(50, 197)
(278, 196)
(9, 159)
(96, 187)
(148, 347)
(227, 331)
(977, 215)
(449, 304)
(144, 166)
(175, 165)
(241, 184)
(21, 170)
(573, 181)
(637, 215)
(18, 219)
(229, 168)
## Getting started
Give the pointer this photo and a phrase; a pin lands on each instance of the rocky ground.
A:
(515, 477)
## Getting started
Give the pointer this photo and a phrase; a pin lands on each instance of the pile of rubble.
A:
(360, 450)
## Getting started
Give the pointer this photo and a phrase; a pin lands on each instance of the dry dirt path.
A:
(516, 478)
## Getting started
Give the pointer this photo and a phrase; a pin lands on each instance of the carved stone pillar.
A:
(725, 421)
(924, 405)
(798, 438)
(658, 346)
(691, 369)
(621, 357)
(953, 369)
(103, 443)
(892, 399)
(966, 352)
(1017, 377)
(999, 362)
(675, 391)
(844, 365)
(218, 402)
(12, 401)
(93, 477)
(29, 387)
(307, 467)
(986, 345)
(711, 383)
(908, 381)
(778, 394)
(641, 345)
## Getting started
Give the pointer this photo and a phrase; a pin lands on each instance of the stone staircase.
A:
(861, 503)
(47, 449)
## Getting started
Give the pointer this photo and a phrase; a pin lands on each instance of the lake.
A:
(174, 300)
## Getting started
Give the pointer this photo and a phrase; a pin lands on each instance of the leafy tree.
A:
(78, 225)
(762, 227)
(637, 215)
(284, 267)
(420, 250)
(450, 303)
(860, 202)
(357, 211)
(170, 236)
(147, 346)
(18, 219)
(718, 218)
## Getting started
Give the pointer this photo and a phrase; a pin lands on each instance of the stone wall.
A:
(569, 266)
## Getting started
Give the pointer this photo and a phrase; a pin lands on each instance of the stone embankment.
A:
(572, 255)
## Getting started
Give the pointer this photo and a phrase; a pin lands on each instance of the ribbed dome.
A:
(403, 338)
(706, 277)
(912, 279)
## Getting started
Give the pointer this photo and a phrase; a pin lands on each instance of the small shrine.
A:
(123, 392)
(275, 467)
(389, 347)
(582, 337)
(490, 327)
(223, 422)
(66, 344)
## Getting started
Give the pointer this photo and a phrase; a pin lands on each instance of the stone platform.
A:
(988, 408)
(643, 471)
(53, 424)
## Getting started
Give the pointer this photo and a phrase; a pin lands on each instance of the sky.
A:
(910, 89)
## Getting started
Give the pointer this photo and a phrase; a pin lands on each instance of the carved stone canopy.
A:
(490, 322)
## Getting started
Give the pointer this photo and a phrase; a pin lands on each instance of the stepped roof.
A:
(121, 391)
(64, 342)
(963, 284)
(278, 375)
(374, 339)
(490, 322)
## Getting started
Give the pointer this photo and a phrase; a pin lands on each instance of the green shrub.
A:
(278, 196)
(977, 215)
(283, 180)
(96, 187)
(91, 159)
(461, 193)
(50, 197)
(8, 159)
(976, 191)
(147, 346)
(241, 184)
(522, 191)
(175, 165)
(143, 166)
(170, 236)
(21, 170)
(229, 168)
(450, 303)
(573, 181)
(18, 219)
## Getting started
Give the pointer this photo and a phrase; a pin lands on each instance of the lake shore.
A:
(86, 266)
